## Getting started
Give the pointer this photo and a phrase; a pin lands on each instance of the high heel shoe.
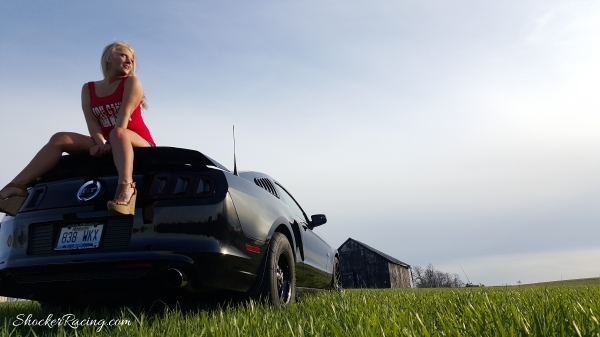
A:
(119, 206)
(12, 205)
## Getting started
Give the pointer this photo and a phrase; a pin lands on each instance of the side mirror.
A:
(318, 220)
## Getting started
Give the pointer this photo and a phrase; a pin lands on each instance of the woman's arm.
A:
(91, 120)
(132, 96)
(92, 124)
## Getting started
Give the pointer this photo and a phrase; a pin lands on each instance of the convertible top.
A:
(146, 159)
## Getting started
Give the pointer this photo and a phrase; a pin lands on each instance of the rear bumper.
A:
(122, 277)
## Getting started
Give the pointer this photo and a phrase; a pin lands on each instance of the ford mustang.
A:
(198, 229)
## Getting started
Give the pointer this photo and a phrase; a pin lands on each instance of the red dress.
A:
(106, 108)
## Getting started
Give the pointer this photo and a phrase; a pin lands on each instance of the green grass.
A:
(576, 282)
(510, 311)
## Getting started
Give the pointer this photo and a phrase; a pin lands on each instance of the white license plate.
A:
(80, 236)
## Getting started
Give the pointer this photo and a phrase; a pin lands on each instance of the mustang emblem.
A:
(89, 190)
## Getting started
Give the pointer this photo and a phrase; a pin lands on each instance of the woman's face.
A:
(121, 61)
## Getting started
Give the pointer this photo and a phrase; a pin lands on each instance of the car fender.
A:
(294, 234)
(260, 213)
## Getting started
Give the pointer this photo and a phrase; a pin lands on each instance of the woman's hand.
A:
(99, 150)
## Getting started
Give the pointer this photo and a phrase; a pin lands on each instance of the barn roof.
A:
(385, 256)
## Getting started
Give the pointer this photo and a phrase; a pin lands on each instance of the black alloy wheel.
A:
(284, 288)
(279, 283)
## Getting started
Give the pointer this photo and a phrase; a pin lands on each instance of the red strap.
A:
(121, 86)
(92, 90)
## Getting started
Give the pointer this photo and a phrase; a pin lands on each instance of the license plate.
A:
(80, 236)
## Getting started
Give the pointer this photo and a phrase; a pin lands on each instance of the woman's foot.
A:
(12, 197)
(13, 190)
(124, 193)
(124, 201)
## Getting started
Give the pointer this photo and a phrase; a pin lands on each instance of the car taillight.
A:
(181, 186)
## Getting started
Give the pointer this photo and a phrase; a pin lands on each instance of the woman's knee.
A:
(118, 133)
(70, 142)
(60, 139)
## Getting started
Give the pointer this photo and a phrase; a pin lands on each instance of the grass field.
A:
(577, 282)
(510, 311)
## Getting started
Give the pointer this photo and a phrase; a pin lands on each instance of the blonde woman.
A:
(112, 110)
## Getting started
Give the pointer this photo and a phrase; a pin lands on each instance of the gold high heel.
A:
(119, 206)
(12, 205)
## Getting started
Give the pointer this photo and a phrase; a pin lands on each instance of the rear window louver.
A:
(267, 185)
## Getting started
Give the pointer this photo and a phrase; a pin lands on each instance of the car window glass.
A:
(287, 198)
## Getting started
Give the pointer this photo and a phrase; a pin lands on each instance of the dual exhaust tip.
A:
(176, 278)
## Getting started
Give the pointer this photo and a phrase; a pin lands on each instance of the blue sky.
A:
(441, 132)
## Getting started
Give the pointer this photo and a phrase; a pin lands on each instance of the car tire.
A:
(336, 278)
(279, 281)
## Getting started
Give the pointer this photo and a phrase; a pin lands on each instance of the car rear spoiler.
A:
(147, 159)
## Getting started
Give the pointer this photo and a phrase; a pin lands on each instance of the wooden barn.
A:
(363, 266)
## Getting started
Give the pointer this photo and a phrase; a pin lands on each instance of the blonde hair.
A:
(108, 52)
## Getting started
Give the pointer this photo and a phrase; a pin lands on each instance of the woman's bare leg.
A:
(48, 157)
(122, 142)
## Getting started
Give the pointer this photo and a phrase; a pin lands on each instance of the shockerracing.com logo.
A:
(67, 320)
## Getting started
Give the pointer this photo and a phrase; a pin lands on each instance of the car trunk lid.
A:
(62, 186)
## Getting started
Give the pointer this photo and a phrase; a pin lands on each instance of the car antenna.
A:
(465, 274)
(235, 171)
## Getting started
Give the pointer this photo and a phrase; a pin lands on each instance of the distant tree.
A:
(433, 278)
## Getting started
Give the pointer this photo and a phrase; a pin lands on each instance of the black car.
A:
(198, 229)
